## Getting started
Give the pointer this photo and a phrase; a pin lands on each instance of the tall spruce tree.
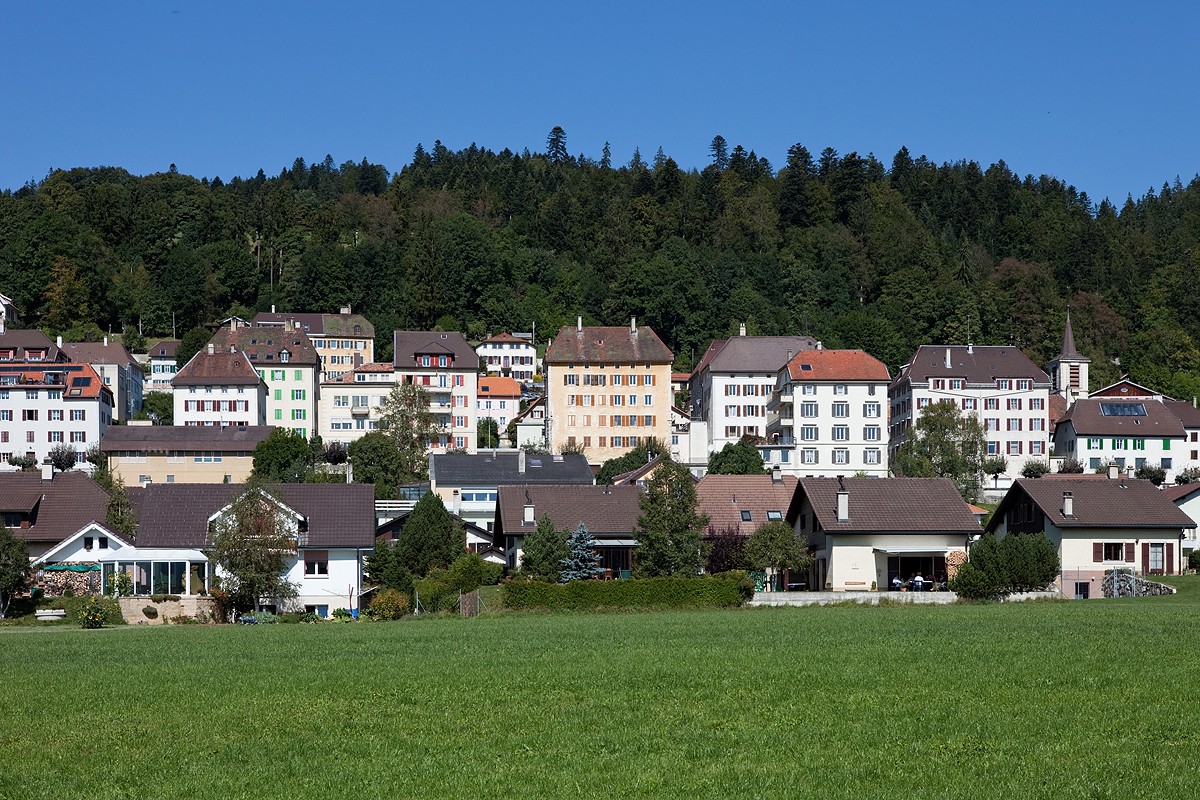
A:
(544, 551)
(582, 562)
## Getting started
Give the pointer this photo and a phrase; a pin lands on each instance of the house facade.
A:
(117, 368)
(1006, 391)
(446, 367)
(161, 358)
(509, 356)
(1098, 524)
(499, 399)
(219, 387)
(47, 404)
(288, 364)
(351, 405)
(608, 390)
(1129, 432)
(141, 454)
(343, 341)
(827, 415)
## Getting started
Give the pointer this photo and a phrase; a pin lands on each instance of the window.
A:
(841, 409)
(841, 456)
(1114, 551)
(1094, 443)
(808, 456)
(841, 433)
(871, 410)
(29, 415)
(78, 436)
(991, 404)
(991, 424)
(1014, 448)
(871, 433)
(1014, 404)
(746, 516)
(809, 389)
(298, 394)
(56, 415)
(968, 404)
(6, 415)
(808, 409)
(316, 563)
(839, 388)
(1036, 448)
(808, 433)
(922, 402)
(871, 456)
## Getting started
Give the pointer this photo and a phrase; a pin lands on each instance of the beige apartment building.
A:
(141, 453)
(343, 341)
(607, 389)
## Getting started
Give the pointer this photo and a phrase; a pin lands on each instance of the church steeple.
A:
(1069, 369)
(1068, 345)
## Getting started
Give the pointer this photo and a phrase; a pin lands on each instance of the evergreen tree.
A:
(736, 458)
(431, 538)
(719, 149)
(556, 146)
(14, 568)
(669, 528)
(582, 561)
(543, 552)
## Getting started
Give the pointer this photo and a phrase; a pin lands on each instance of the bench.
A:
(50, 613)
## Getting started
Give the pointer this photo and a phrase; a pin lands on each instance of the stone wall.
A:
(198, 608)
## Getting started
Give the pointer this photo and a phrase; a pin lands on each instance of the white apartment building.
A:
(509, 356)
(218, 387)
(43, 405)
(117, 368)
(827, 416)
(288, 364)
(163, 366)
(733, 383)
(445, 366)
(350, 406)
(1000, 385)
(343, 341)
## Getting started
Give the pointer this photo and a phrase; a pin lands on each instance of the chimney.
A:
(843, 502)
(272, 308)
(1068, 508)
(529, 520)
(820, 346)
(106, 341)
(1114, 472)
(232, 349)
(776, 474)
(211, 349)
(970, 349)
(742, 329)
(789, 358)
(58, 341)
(47, 471)
(456, 503)
(232, 323)
(948, 364)
(1129, 471)
(346, 310)
(521, 461)
(579, 324)
(633, 326)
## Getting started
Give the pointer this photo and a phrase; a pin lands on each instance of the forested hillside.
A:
(851, 250)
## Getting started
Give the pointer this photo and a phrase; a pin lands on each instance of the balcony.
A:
(361, 411)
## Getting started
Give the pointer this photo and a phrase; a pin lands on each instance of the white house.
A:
(826, 416)
(351, 404)
(509, 356)
(444, 365)
(43, 405)
(163, 366)
(219, 387)
(119, 370)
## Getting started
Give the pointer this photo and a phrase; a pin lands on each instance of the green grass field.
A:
(1041, 700)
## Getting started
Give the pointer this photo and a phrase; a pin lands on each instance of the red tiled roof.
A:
(499, 387)
(75, 381)
(727, 498)
(836, 365)
(506, 338)
(607, 345)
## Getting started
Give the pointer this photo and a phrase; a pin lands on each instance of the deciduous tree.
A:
(252, 542)
(283, 457)
(669, 528)
(14, 568)
(736, 458)
(944, 444)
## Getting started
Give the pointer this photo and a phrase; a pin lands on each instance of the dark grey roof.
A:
(887, 505)
(1088, 419)
(160, 438)
(605, 510)
(408, 346)
(488, 469)
(1119, 503)
(604, 345)
(978, 365)
(58, 507)
(98, 353)
(176, 514)
(757, 353)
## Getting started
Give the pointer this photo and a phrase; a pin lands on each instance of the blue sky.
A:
(1101, 95)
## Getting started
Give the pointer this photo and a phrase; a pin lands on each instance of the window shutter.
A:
(1169, 561)
(1097, 551)
(1145, 558)
(1129, 552)
(316, 555)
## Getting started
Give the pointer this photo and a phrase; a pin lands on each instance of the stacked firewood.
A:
(57, 584)
(954, 560)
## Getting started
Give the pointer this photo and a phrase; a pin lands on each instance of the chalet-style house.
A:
(610, 514)
(607, 389)
(865, 533)
(1098, 523)
(43, 508)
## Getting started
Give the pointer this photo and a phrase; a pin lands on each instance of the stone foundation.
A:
(196, 607)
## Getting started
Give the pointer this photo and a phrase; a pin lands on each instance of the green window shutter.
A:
(1166, 444)
(298, 376)
(279, 413)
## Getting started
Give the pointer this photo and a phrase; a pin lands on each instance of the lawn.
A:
(1056, 700)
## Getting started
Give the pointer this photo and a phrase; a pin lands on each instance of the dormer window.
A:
(284, 355)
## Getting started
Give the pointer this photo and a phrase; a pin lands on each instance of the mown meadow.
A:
(1046, 699)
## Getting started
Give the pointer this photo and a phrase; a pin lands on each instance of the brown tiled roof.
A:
(164, 349)
(754, 353)
(725, 497)
(837, 365)
(1179, 491)
(1121, 503)
(21, 341)
(888, 505)
(408, 345)
(98, 353)
(1057, 407)
(499, 387)
(75, 381)
(348, 377)
(982, 365)
(597, 345)
(607, 511)
(1085, 417)
(1188, 414)
(264, 345)
(319, 324)
(506, 338)
(60, 507)
(163, 438)
(220, 368)
(176, 514)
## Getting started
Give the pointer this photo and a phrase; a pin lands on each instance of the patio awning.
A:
(616, 543)
(913, 551)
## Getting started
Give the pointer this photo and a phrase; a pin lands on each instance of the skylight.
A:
(1123, 409)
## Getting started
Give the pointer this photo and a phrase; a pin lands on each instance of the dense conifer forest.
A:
(846, 248)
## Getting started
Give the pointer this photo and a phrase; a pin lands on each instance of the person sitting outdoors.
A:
(896, 583)
(918, 583)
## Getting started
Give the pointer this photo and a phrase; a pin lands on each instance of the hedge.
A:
(727, 590)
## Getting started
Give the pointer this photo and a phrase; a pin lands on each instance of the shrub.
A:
(1035, 469)
(342, 615)
(93, 613)
(161, 598)
(150, 611)
(1151, 472)
(1020, 562)
(1071, 465)
(1188, 475)
(311, 618)
(1194, 560)
(727, 590)
(390, 604)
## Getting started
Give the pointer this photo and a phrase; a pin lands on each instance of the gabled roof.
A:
(58, 507)
(607, 345)
(409, 345)
(978, 365)
(752, 353)
(319, 324)
(1087, 418)
(98, 353)
(21, 341)
(499, 387)
(90, 529)
(1120, 503)
(1125, 388)
(219, 368)
(1187, 413)
(394, 528)
(506, 338)
(164, 349)
(1180, 491)
(537, 402)
(498, 469)
(165, 438)
(727, 498)
(837, 365)
(605, 510)
(887, 505)
(177, 514)
(264, 346)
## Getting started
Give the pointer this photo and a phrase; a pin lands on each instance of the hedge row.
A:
(729, 589)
